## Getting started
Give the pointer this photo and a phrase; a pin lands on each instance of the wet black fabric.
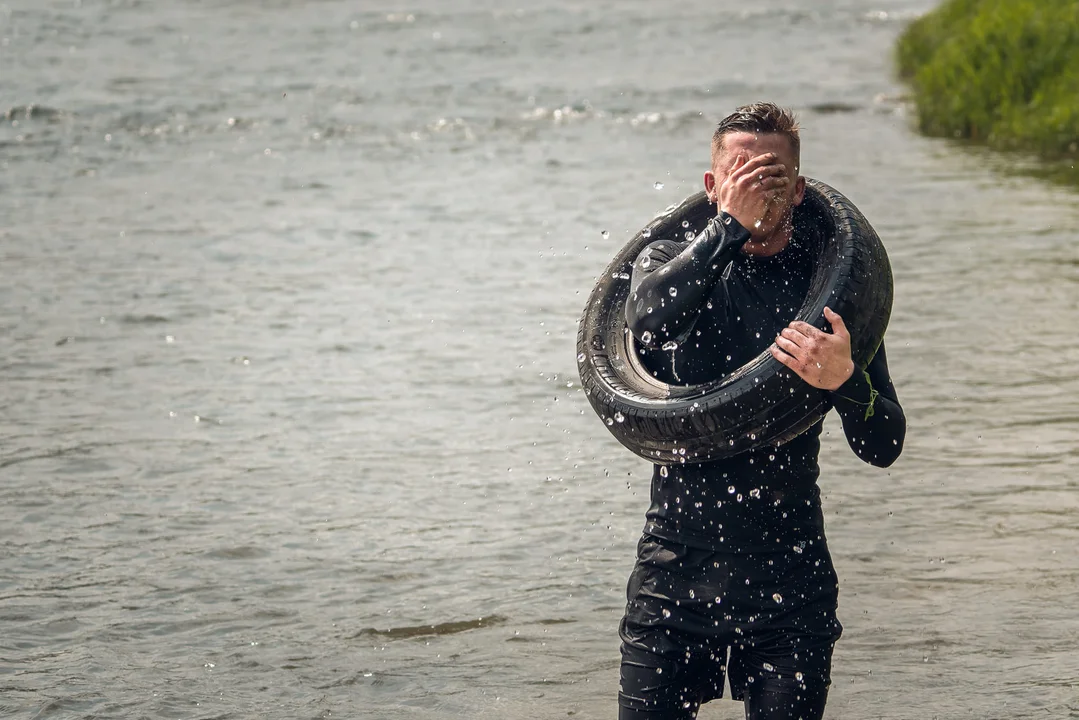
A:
(699, 336)
(774, 612)
(734, 557)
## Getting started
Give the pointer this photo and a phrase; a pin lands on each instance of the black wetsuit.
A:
(733, 554)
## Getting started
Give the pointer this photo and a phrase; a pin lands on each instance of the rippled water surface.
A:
(290, 420)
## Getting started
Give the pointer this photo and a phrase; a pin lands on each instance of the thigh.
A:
(657, 685)
(671, 661)
(781, 661)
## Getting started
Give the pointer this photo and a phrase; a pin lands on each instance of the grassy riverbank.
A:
(1000, 72)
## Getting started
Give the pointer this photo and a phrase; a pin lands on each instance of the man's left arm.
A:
(873, 420)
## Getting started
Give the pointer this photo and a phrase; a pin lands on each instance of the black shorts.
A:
(686, 607)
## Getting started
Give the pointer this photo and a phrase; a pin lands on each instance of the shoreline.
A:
(998, 73)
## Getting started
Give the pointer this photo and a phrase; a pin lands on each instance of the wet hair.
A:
(761, 117)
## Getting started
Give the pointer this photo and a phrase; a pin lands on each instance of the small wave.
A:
(832, 108)
(33, 112)
(446, 628)
(242, 552)
(885, 16)
(148, 319)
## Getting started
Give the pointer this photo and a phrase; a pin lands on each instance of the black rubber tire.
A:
(763, 403)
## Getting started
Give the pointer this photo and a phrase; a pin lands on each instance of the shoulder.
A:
(661, 251)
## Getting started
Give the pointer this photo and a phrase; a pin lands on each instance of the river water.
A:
(290, 425)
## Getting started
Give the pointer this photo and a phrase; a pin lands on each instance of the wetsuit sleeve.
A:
(671, 280)
(873, 420)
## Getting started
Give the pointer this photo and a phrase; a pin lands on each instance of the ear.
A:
(799, 190)
(710, 185)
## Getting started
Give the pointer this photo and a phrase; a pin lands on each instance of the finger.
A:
(757, 163)
(838, 326)
(807, 330)
(773, 182)
(790, 347)
(797, 338)
(739, 161)
(793, 363)
(757, 174)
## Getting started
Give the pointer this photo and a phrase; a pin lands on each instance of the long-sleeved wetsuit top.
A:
(700, 310)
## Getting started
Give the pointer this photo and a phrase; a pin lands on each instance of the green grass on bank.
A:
(1000, 72)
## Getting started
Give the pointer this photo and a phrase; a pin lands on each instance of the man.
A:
(733, 557)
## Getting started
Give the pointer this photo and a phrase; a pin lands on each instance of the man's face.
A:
(752, 145)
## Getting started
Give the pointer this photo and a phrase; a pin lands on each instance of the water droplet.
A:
(646, 337)
(778, 598)
(605, 234)
(647, 232)
(673, 292)
(659, 671)
(692, 594)
(769, 667)
(731, 489)
(757, 224)
(580, 357)
(798, 676)
(798, 549)
(666, 613)
(689, 235)
(671, 345)
(755, 493)
(610, 421)
(658, 185)
(685, 223)
(619, 417)
(663, 471)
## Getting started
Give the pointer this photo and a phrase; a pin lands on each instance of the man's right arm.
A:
(668, 286)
